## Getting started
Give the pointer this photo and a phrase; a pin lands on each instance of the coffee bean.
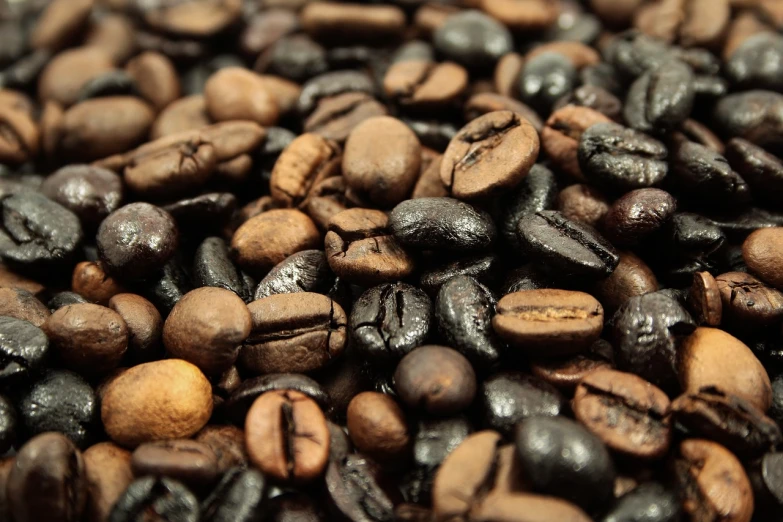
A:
(728, 420)
(168, 499)
(107, 469)
(308, 160)
(661, 98)
(110, 83)
(135, 408)
(189, 112)
(701, 363)
(761, 170)
(194, 18)
(754, 64)
(631, 278)
(330, 21)
(650, 498)
(699, 172)
(337, 116)
(287, 419)
(638, 214)
(359, 490)
(490, 154)
(58, 24)
(747, 302)
(143, 322)
(69, 71)
(239, 497)
(21, 304)
(187, 461)
(473, 39)
(8, 425)
(305, 271)
(764, 476)
(537, 191)
(361, 249)
(545, 78)
(549, 322)
(485, 102)
(299, 332)
(92, 193)
(136, 240)
(436, 379)
(441, 223)
(156, 78)
(510, 397)
(92, 282)
(331, 84)
(567, 372)
(563, 459)
(583, 204)
(706, 299)
(566, 247)
(483, 268)
(87, 338)
(390, 320)
(700, 23)
(762, 250)
(204, 213)
(377, 427)
(711, 480)
(593, 97)
(63, 299)
(228, 444)
(507, 72)
(751, 115)
(47, 481)
(561, 135)
(212, 267)
(60, 401)
(425, 85)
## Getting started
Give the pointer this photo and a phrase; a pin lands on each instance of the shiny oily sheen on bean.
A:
(510, 397)
(549, 322)
(167, 498)
(491, 153)
(305, 271)
(626, 412)
(287, 436)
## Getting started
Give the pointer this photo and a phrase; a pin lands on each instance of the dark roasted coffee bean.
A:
(562, 132)
(359, 490)
(92, 193)
(548, 323)
(764, 475)
(212, 267)
(110, 83)
(567, 248)
(295, 57)
(537, 191)
(563, 459)
(646, 331)
(389, 321)
(638, 214)
(24, 349)
(756, 63)
(490, 154)
(728, 420)
(748, 303)
(331, 84)
(441, 223)
(435, 379)
(169, 500)
(8, 425)
(762, 251)
(711, 480)
(359, 23)
(751, 115)
(92, 282)
(190, 462)
(167, 288)
(483, 268)
(545, 78)
(47, 481)
(621, 159)
(473, 39)
(228, 444)
(204, 213)
(506, 398)
(653, 500)
(695, 234)
(305, 271)
(239, 497)
(287, 436)
(626, 412)
(299, 332)
(464, 310)
(699, 172)
(593, 97)
(566, 373)
(661, 98)
(60, 401)
(63, 299)
(762, 171)
(632, 277)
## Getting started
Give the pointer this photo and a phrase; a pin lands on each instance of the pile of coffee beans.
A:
(391, 261)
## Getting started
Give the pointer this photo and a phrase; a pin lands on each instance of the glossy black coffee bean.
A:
(694, 234)
(435, 134)
(60, 401)
(472, 39)
(752, 115)
(212, 266)
(203, 214)
(538, 191)
(545, 79)
(169, 287)
(569, 249)
(305, 271)
(240, 496)
(756, 64)
(484, 268)
(651, 500)
(766, 478)
(507, 398)
(9, 424)
(296, 58)
(762, 171)
(24, 349)
(358, 490)
(463, 315)
(661, 98)
(168, 499)
(389, 321)
(738, 224)
(706, 177)
(61, 299)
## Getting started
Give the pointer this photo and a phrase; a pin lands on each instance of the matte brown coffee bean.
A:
(189, 112)
(91, 281)
(763, 253)
(583, 203)
(228, 444)
(424, 85)
(115, 34)
(562, 132)
(19, 141)
(267, 239)
(748, 303)
(293, 333)
(626, 412)
(47, 481)
(429, 184)
(712, 483)
(88, 338)
(377, 427)
(192, 18)
(705, 300)
(506, 76)
(144, 323)
(161, 400)
(305, 162)
(486, 102)
(549, 322)
(361, 248)
(64, 76)
(59, 23)
(352, 22)
(526, 507)
(287, 436)
(190, 462)
(336, 116)
(234, 93)
(107, 469)
(21, 304)
(436, 379)
(522, 15)
(567, 372)
(632, 277)
(691, 23)
(702, 362)
(156, 78)
(326, 199)
(381, 160)
(490, 154)
(637, 214)
(207, 327)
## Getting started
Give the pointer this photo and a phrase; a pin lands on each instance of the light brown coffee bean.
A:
(335, 117)
(181, 115)
(579, 54)
(144, 323)
(64, 76)
(108, 472)
(304, 163)
(704, 299)
(20, 136)
(15, 302)
(60, 23)
(763, 253)
(748, 303)
(424, 85)
(562, 132)
(526, 507)
(583, 203)
(156, 78)
(506, 77)
(325, 200)
(161, 400)
(287, 436)
(377, 427)
(177, 169)
(352, 22)
(193, 18)
(691, 23)
(549, 322)
(234, 93)
(91, 281)
(115, 34)
(486, 102)
(429, 184)
(523, 15)
(567, 372)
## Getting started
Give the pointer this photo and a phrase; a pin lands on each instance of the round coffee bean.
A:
(489, 155)
(92, 282)
(473, 39)
(190, 462)
(661, 98)
(436, 379)
(167, 498)
(747, 303)
(92, 193)
(234, 93)
(47, 481)
(545, 78)
(64, 76)
(751, 115)
(549, 322)
(135, 241)
(287, 436)
(107, 469)
(510, 397)
(23, 350)
(21, 304)
(144, 324)
(632, 277)
(156, 78)
(135, 408)
(650, 498)
(583, 204)
(638, 214)
(299, 332)
(207, 327)
(377, 427)
(763, 252)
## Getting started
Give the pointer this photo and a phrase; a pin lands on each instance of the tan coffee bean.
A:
(19, 303)
(180, 168)
(207, 327)
(235, 93)
(188, 461)
(115, 34)
(429, 184)
(562, 132)
(285, 92)
(20, 139)
(144, 323)
(581, 55)
(91, 281)
(13, 280)
(583, 203)
(160, 400)
(181, 115)
(59, 23)
(486, 102)
(526, 507)
(156, 78)
(614, 13)
(425, 85)
(523, 15)
(748, 303)
(341, 21)
(703, 359)
(691, 23)
(336, 116)
(377, 426)
(287, 436)
(763, 253)
(64, 76)
(89, 338)
(265, 240)
(704, 299)
(506, 75)
(567, 372)
(197, 18)
(305, 162)
(108, 471)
